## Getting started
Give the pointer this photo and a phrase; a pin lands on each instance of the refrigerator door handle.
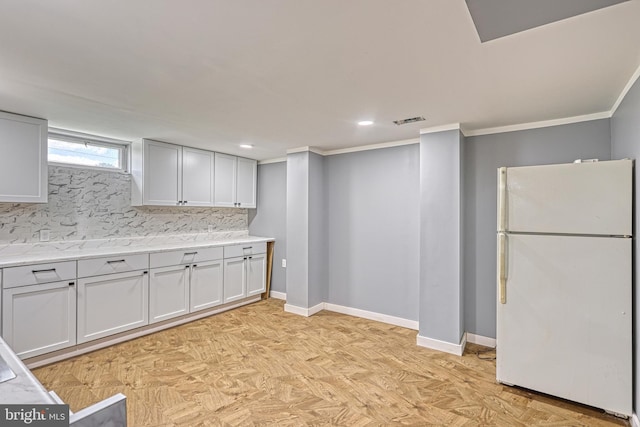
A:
(502, 267)
(502, 199)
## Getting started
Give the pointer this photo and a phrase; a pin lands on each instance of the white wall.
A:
(93, 204)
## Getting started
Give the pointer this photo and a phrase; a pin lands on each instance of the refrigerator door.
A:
(565, 326)
(575, 198)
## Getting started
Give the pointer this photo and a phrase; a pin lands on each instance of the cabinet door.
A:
(162, 173)
(235, 279)
(168, 292)
(197, 177)
(225, 180)
(111, 304)
(206, 285)
(256, 274)
(246, 186)
(23, 159)
(38, 319)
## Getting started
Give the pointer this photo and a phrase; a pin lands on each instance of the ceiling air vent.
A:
(410, 120)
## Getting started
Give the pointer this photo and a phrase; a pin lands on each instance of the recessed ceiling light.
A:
(247, 146)
(365, 122)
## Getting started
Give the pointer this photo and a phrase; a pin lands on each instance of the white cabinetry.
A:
(206, 285)
(112, 303)
(184, 281)
(171, 175)
(244, 271)
(235, 181)
(39, 307)
(23, 159)
(38, 319)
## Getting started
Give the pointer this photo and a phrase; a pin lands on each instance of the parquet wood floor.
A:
(258, 365)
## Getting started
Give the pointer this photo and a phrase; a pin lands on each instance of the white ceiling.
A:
(282, 74)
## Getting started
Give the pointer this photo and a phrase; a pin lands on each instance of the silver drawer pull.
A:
(49, 270)
(115, 261)
(190, 253)
(248, 247)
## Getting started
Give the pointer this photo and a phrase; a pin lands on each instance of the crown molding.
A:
(372, 147)
(269, 161)
(443, 128)
(537, 125)
(625, 90)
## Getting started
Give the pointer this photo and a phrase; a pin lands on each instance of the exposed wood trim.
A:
(265, 294)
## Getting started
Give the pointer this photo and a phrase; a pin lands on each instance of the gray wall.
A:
(441, 234)
(483, 155)
(373, 218)
(297, 229)
(625, 142)
(270, 218)
(318, 239)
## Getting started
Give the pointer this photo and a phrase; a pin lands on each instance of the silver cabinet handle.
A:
(248, 247)
(116, 261)
(190, 253)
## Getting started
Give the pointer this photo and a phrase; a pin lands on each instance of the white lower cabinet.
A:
(235, 282)
(206, 285)
(38, 319)
(168, 292)
(256, 274)
(111, 304)
(244, 277)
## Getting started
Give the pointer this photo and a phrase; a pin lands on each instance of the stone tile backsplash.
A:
(92, 204)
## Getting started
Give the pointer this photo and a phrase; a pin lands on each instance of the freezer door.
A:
(565, 326)
(574, 198)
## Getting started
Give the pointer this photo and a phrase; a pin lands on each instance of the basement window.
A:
(87, 151)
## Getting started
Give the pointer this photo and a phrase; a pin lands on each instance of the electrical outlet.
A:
(44, 235)
(210, 229)
(284, 263)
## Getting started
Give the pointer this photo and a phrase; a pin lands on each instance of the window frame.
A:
(124, 148)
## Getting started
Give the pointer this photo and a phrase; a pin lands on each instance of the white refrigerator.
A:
(564, 281)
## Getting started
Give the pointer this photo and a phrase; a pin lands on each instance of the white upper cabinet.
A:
(197, 177)
(23, 159)
(235, 182)
(246, 183)
(162, 174)
(225, 181)
(171, 175)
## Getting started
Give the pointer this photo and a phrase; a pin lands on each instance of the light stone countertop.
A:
(25, 388)
(12, 255)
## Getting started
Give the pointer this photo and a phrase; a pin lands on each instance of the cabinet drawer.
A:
(245, 249)
(112, 264)
(185, 256)
(38, 273)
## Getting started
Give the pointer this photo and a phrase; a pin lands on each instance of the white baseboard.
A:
(445, 346)
(480, 340)
(301, 311)
(278, 295)
(316, 309)
(384, 318)
(635, 422)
